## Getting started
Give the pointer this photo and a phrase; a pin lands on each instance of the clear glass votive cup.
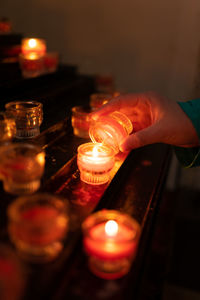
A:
(7, 128)
(80, 121)
(21, 167)
(51, 60)
(33, 45)
(28, 116)
(32, 65)
(95, 163)
(37, 226)
(110, 241)
(111, 130)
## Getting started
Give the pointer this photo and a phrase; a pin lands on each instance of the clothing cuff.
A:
(192, 110)
(188, 157)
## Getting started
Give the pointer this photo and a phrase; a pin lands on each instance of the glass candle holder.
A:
(111, 130)
(21, 167)
(33, 45)
(51, 62)
(95, 163)
(12, 280)
(110, 240)
(32, 65)
(5, 26)
(28, 116)
(80, 121)
(99, 99)
(37, 226)
(7, 128)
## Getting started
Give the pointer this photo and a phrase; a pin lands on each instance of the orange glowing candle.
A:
(110, 240)
(33, 45)
(95, 162)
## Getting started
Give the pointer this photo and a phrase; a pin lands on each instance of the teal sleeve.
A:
(190, 157)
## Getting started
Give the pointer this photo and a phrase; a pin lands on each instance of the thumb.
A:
(146, 136)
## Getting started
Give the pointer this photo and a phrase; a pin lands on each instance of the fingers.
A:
(149, 135)
(107, 108)
(116, 103)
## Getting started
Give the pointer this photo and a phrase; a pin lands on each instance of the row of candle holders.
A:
(21, 164)
(38, 227)
(35, 60)
(110, 237)
(38, 224)
(95, 160)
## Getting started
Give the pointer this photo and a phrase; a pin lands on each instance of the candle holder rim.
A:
(112, 115)
(13, 209)
(113, 215)
(13, 105)
(118, 114)
(110, 153)
(11, 146)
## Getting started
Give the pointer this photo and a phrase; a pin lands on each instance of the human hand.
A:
(155, 119)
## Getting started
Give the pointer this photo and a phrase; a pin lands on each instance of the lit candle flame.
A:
(111, 228)
(32, 43)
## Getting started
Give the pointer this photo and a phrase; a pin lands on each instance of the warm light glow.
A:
(41, 159)
(32, 43)
(111, 228)
(95, 152)
(32, 56)
(104, 102)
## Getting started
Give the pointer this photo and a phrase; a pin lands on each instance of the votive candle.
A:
(33, 45)
(110, 240)
(38, 225)
(95, 162)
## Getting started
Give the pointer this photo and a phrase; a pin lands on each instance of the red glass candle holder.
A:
(51, 60)
(12, 280)
(110, 240)
(37, 226)
(111, 130)
(5, 26)
(32, 65)
(33, 45)
(95, 163)
(21, 167)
